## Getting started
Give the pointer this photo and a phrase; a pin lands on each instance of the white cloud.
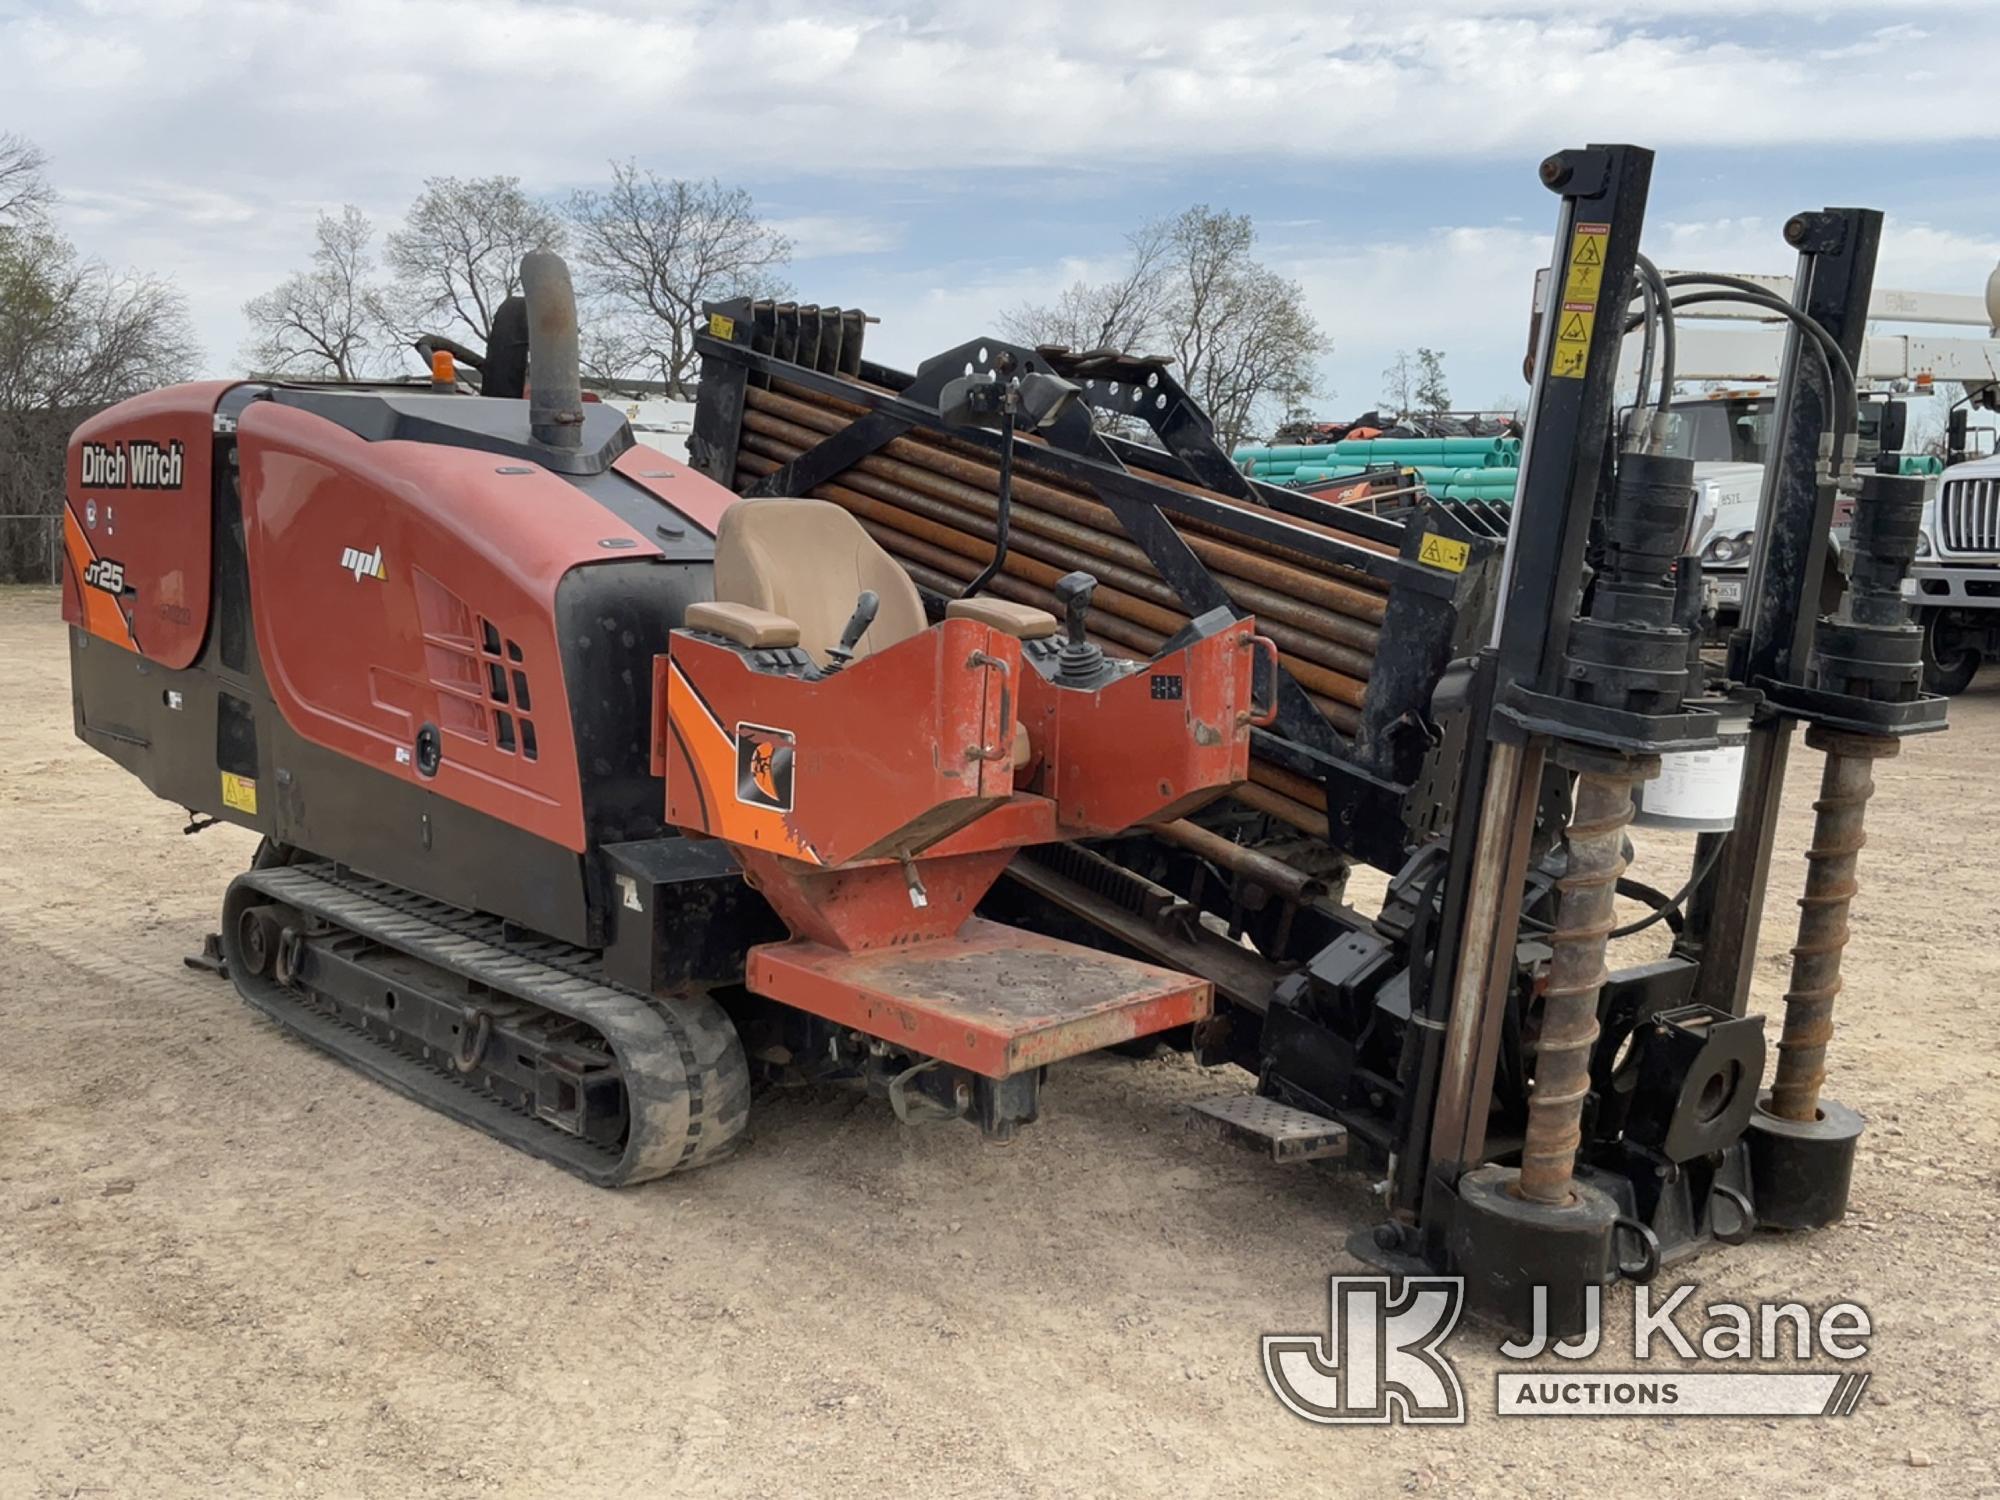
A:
(814, 236)
(927, 311)
(1882, 39)
(201, 138)
(1467, 291)
(359, 89)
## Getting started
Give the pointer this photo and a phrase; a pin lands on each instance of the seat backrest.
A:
(809, 560)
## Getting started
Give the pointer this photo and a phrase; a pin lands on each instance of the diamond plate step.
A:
(1278, 1130)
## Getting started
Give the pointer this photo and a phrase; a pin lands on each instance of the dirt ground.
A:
(229, 1267)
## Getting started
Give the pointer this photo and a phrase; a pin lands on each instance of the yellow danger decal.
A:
(1576, 314)
(1586, 263)
(722, 327)
(239, 792)
(1442, 552)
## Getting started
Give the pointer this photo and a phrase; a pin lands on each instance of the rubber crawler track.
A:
(686, 1081)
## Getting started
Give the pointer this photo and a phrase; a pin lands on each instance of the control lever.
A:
(866, 608)
(1080, 658)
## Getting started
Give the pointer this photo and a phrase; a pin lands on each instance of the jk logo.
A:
(1380, 1361)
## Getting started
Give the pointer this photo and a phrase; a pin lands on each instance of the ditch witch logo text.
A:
(1382, 1359)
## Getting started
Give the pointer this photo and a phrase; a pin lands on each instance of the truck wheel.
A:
(1950, 663)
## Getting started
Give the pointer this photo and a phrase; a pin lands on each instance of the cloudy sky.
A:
(936, 162)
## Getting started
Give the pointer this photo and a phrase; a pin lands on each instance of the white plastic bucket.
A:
(1697, 789)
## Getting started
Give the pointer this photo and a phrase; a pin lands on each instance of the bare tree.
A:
(654, 250)
(75, 336)
(1399, 384)
(1432, 395)
(326, 320)
(1127, 314)
(1240, 333)
(458, 255)
(25, 194)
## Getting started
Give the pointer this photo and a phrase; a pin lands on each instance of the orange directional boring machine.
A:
(929, 728)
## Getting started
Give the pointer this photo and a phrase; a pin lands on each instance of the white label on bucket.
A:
(1696, 786)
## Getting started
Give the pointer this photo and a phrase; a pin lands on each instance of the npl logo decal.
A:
(363, 564)
(1380, 1360)
(764, 766)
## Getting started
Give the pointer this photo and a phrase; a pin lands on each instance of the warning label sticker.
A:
(1577, 314)
(239, 792)
(1574, 321)
(1444, 552)
(1586, 263)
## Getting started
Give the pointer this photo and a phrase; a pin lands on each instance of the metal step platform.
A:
(1272, 1129)
(993, 1000)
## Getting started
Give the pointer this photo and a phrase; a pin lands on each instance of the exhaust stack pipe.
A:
(555, 390)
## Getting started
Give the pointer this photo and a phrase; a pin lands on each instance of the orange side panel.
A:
(374, 568)
(1151, 746)
(695, 496)
(900, 750)
(139, 505)
(97, 609)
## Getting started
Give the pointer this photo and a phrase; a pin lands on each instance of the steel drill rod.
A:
(946, 572)
(851, 410)
(1111, 601)
(1352, 593)
(1302, 789)
(1114, 626)
(1262, 799)
(962, 459)
(1319, 680)
(1295, 627)
(1585, 915)
(1832, 865)
(904, 548)
(927, 464)
(1253, 865)
(839, 413)
(1346, 538)
(1318, 665)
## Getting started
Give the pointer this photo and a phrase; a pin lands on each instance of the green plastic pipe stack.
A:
(1460, 468)
(1462, 450)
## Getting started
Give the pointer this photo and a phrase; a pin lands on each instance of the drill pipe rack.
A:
(1366, 612)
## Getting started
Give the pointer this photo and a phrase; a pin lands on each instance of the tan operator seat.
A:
(808, 561)
(805, 562)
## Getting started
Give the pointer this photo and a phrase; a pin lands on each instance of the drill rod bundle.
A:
(932, 502)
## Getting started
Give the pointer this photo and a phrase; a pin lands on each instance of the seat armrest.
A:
(1022, 621)
(744, 624)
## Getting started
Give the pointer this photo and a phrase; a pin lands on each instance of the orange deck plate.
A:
(994, 1000)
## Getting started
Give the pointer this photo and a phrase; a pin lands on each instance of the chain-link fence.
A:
(30, 548)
